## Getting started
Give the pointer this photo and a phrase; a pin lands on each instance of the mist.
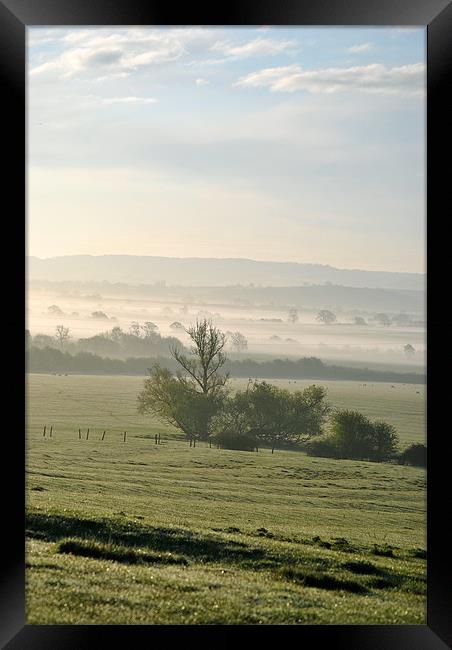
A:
(370, 325)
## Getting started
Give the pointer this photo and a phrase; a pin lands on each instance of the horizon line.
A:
(227, 259)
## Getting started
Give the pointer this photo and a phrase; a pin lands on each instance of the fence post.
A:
(79, 434)
(87, 434)
(103, 435)
(51, 428)
(125, 432)
(44, 433)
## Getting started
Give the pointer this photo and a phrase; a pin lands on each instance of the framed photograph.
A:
(225, 217)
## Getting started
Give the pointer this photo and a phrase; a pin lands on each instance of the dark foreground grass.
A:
(278, 581)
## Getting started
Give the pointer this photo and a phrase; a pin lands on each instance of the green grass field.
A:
(137, 533)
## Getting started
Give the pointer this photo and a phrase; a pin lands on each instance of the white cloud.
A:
(374, 78)
(202, 82)
(257, 47)
(75, 37)
(120, 51)
(128, 100)
(362, 47)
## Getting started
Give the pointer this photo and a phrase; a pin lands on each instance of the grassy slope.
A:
(243, 522)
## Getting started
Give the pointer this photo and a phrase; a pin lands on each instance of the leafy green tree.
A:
(273, 416)
(352, 434)
(232, 426)
(190, 398)
(355, 436)
(384, 441)
(167, 397)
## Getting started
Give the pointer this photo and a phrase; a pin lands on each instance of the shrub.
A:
(272, 416)
(384, 550)
(384, 441)
(239, 441)
(352, 433)
(414, 455)
(354, 436)
(324, 447)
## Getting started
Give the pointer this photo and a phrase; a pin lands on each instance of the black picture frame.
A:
(436, 15)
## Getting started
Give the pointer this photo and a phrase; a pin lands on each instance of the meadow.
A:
(138, 533)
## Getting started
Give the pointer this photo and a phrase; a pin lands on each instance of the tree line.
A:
(52, 359)
(139, 340)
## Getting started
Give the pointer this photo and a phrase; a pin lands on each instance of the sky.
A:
(289, 144)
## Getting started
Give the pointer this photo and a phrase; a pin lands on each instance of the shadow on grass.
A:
(336, 544)
(323, 581)
(363, 568)
(413, 585)
(108, 551)
(203, 548)
(131, 542)
(382, 579)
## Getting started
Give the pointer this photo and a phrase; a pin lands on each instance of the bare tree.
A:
(191, 398)
(62, 334)
(238, 341)
(409, 350)
(207, 357)
(293, 315)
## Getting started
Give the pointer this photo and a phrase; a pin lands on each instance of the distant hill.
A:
(323, 296)
(211, 272)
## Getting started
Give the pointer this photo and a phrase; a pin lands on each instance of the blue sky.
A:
(300, 144)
